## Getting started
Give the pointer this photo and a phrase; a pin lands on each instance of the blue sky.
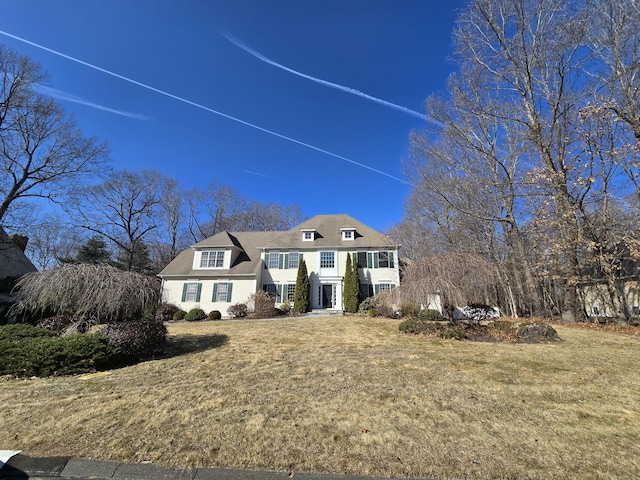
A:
(333, 87)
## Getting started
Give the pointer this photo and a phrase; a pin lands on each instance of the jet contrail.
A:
(326, 83)
(52, 92)
(197, 105)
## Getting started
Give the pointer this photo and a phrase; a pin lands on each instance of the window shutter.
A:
(266, 260)
(184, 292)
(279, 293)
(229, 288)
(377, 289)
(391, 264)
(375, 260)
(299, 258)
(393, 286)
(354, 258)
(215, 292)
(369, 260)
(199, 291)
(286, 260)
(280, 261)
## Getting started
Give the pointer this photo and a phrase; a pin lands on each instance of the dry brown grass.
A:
(349, 395)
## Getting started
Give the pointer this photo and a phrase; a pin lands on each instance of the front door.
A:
(327, 296)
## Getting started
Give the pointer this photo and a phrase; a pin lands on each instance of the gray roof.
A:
(249, 245)
(13, 262)
(248, 261)
(328, 234)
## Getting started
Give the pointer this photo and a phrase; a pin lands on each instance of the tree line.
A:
(135, 219)
(527, 182)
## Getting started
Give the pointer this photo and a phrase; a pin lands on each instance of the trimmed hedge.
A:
(138, 339)
(195, 314)
(214, 315)
(29, 351)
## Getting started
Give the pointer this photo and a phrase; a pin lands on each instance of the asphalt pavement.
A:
(21, 467)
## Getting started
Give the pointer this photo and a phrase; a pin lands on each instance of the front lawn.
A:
(348, 395)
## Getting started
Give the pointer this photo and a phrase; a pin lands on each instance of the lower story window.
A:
(221, 296)
(291, 290)
(385, 287)
(595, 310)
(270, 288)
(191, 292)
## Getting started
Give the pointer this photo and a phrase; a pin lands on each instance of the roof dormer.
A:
(308, 234)
(348, 233)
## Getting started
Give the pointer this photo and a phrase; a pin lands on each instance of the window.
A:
(347, 235)
(212, 259)
(191, 292)
(635, 311)
(291, 290)
(385, 287)
(362, 259)
(327, 260)
(595, 310)
(308, 235)
(222, 292)
(274, 259)
(294, 259)
(383, 259)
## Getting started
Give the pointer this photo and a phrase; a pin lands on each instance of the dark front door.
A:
(327, 296)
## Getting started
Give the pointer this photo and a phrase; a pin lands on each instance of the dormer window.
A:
(212, 259)
(348, 233)
(308, 234)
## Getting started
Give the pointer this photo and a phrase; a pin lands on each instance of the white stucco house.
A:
(227, 268)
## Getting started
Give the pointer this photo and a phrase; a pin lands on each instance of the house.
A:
(622, 301)
(13, 264)
(229, 267)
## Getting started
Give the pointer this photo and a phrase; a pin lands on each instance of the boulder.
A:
(537, 333)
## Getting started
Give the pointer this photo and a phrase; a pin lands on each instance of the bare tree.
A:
(42, 152)
(123, 209)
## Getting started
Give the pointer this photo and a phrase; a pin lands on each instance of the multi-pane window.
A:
(383, 259)
(595, 310)
(191, 292)
(362, 259)
(385, 287)
(307, 236)
(222, 291)
(291, 290)
(274, 259)
(327, 260)
(212, 259)
(294, 259)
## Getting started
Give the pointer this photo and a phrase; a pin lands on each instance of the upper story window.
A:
(383, 259)
(274, 260)
(212, 259)
(327, 260)
(294, 259)
(348, 233)
(308, 234)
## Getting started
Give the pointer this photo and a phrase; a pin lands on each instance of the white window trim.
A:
(351, 231)
(198, 261)
(311, 232)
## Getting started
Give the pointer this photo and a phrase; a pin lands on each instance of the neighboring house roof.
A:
(328, 233)
(13, 262)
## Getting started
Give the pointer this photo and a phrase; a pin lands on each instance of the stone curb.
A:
(22, 467)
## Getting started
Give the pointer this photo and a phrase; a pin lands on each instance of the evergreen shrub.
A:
(179, 315)
(214, 315)
(195, 314)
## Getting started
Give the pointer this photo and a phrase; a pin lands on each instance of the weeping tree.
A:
(88, 293)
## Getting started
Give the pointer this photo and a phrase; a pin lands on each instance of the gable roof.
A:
(328, 233)
(246, 263)
(13, 262)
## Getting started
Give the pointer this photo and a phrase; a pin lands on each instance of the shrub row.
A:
(29, 351)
